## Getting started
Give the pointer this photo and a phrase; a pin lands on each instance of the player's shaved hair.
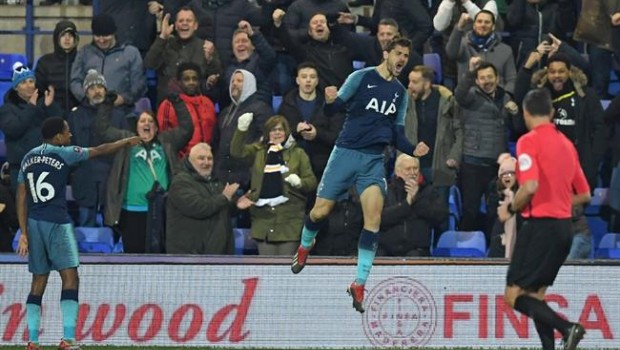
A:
(52, 127)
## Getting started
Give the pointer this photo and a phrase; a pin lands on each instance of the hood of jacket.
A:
(443, 91)
(576, 75)
(60, 28)
(249, 86)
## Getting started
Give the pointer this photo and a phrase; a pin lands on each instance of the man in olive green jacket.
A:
(198, 209)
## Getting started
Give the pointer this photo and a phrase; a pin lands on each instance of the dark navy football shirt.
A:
(374, 107)
(44, 171)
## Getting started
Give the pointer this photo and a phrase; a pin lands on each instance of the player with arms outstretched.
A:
(47, 232)
(376, 103)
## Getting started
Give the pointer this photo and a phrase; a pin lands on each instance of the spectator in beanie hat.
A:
(24, 109)
(94, 78)
(124, 72)
(21, 73)
(88, 180)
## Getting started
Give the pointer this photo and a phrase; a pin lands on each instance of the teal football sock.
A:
(33, 316)
(309, 232)
(366, 250)
(69, 308)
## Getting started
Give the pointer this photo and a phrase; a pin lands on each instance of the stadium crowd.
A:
(237, 135)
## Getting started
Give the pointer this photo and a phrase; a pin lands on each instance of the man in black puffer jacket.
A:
(55, 68)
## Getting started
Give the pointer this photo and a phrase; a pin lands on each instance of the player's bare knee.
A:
(39, 283)
(70, 278)
(318, 214)
(321, 210)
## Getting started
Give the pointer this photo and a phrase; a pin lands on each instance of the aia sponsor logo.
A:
(400, 312)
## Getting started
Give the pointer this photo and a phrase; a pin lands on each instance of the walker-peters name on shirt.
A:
(43, 160)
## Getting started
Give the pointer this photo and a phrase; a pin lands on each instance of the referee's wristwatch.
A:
(511, 209)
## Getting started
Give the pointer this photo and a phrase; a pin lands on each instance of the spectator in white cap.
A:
(21, 115)
(124, 72)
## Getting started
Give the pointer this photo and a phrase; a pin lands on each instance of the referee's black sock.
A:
(539, 311)
(546, 335)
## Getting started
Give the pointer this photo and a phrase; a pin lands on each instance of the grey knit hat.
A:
(94, 78)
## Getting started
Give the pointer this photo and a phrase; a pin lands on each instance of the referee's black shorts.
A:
(540, 250)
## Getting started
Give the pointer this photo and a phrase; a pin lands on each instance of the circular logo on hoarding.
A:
(400, 312)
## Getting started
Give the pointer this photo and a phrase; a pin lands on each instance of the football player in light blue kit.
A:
(376, 103)
(47, 232)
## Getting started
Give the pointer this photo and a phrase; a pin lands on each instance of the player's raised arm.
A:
(112, 147)
(336, 98)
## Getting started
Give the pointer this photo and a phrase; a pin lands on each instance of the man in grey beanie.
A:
(124, 72)
(89, 179)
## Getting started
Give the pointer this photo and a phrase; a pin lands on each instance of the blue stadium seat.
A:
(599, 198)
(461, 244)
(118, 247)
(614, 83)
(512, 148)
(244, 244)
(455, 206)
(609, 247)
(142, 104)
(151, 77)
(5, 86)
(6, 64)
(16, 239)
(94, 239)
(276, 101)
(2, 151)
(433, 60)
(598, 228)
(358, 65)
(455, 201)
